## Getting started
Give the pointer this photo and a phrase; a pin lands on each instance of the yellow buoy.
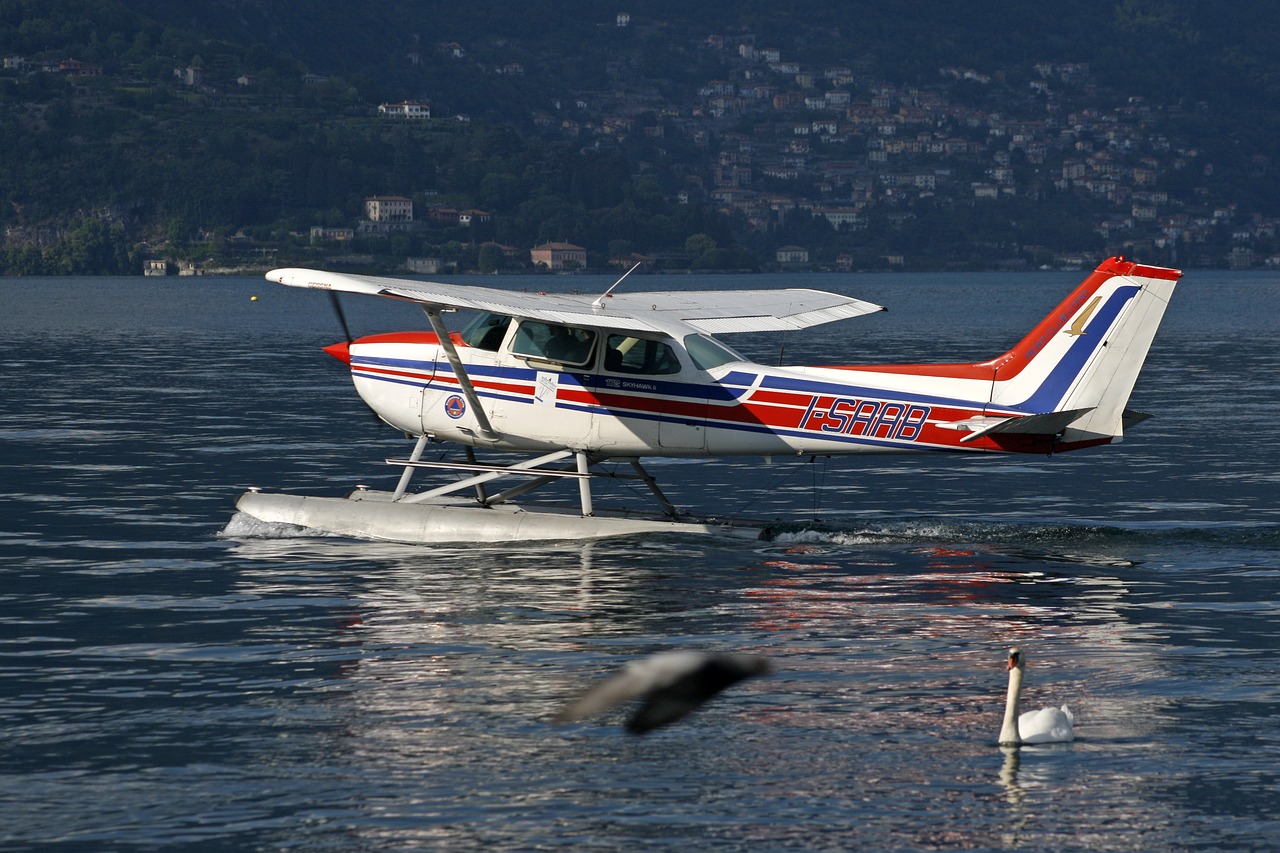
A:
(253, 299)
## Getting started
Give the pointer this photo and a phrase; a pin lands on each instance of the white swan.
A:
(1047, 725)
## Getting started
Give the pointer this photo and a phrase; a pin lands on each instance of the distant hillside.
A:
(918, 134)
(1188, 49)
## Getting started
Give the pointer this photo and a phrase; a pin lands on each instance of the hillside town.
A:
(785, 140)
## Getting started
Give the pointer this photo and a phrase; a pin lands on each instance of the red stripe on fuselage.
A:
(522, 389)
(636, 403)
(985, 371)
(406, 338)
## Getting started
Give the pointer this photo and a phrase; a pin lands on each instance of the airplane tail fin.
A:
(1074, 372)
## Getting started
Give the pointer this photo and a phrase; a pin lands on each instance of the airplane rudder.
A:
(1074, 308)
(1107, 343)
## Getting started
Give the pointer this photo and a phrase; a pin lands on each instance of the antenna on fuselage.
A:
(599, 303)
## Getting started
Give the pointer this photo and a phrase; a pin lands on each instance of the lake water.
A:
(166, 685)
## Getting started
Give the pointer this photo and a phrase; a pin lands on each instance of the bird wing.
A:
(1047, 725)
(692, 688)
(634, 680)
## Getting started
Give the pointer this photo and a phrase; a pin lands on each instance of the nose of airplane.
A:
(341, 351)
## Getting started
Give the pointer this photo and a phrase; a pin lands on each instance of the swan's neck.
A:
(1009, 730)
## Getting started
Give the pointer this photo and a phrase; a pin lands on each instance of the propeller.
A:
(342, 351)
(342, 317)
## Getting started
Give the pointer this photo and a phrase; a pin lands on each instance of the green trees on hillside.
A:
(92, 247)
(169, 168)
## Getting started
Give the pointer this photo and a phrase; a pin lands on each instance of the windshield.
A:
(708, 353)
(486, 331)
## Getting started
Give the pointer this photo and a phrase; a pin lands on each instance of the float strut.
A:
(408, 469)
(482, 494)
(584, 484)
(667, 506)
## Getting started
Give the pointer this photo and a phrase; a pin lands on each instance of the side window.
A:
(707, 353)
(623, 354)
(554, 342)
(486, 331)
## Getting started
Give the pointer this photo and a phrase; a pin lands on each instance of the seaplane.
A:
(572, 383)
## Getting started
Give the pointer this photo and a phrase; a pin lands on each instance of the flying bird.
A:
(670, 685)
(1047, 725)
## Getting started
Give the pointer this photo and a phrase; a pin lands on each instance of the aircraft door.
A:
(686, 432)
(546, 368)
(668, 401)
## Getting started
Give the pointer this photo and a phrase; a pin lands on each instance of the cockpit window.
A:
(486, 331)
(624, 354)
(707, 353)
(554, 342)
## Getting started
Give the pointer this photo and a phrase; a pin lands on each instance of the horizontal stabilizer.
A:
(1130, 418)
(1049, 423)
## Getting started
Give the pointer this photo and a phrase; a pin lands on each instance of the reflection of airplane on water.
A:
(577, 381)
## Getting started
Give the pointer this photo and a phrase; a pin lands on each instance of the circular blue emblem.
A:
(455, 406)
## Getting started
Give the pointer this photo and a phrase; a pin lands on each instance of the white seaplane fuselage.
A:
(643, 374)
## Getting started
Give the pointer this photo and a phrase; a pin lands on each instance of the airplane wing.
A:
(713, 312)
(722, 311)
